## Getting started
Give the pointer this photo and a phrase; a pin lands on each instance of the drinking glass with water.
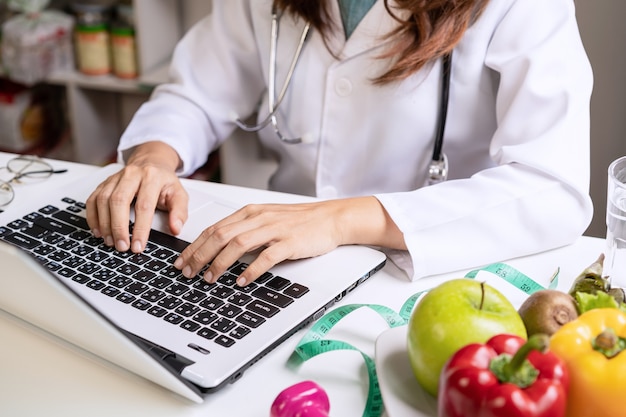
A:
(615, 262)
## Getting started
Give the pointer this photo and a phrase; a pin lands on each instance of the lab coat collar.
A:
(370, 32)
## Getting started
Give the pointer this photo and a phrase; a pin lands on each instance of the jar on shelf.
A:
(123, 43)
(93, 51)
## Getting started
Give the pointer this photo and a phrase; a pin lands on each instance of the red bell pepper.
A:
(506, 376)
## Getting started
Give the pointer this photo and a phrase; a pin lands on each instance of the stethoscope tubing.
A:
(273, 107)
(438, 167)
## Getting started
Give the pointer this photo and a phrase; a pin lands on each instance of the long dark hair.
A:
(427, 30)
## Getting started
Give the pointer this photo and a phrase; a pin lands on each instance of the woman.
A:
(366, 102)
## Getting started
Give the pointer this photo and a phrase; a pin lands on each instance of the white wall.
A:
(603, 31)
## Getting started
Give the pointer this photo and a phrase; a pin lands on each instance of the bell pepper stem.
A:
(538, 342)
(609, 343)
(516, 369)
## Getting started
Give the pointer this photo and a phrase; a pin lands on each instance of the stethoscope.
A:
(438, 167)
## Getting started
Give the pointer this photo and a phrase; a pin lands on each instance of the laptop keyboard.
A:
(58, 236)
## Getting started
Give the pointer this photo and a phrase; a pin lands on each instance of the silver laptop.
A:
(137, 312)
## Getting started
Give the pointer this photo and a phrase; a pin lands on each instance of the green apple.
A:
(453, 314)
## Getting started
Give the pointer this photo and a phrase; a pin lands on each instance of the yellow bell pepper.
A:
(592, 347)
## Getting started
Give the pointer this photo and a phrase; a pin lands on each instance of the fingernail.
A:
(178, 262)
(96, 233)
(187, 272)
(208, 277)
(241, 281)
(108, 240)
(178, 224)
(121, 246)
(137, 246)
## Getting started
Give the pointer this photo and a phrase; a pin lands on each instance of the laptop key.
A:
(262, 308)
(157, 311)
(112, 262)
(272, 297)
(177, 289)
(190, 325)
(278, 283)
(127, 269)
(17, 224)
(170, 302)
(66, 272)
(94, 284)
(22, 241)
(155, 265)
(224, 341)
(104, 274)
(160, 282)
(44, 249)
(53, 266)
(141, 304)
(110, 291)
(211, 303)
(239, 332)
(54, 225)
(81, 279)
(173, 318)
(120, 281)
(239, 299)
(187, 309)
(250, 319)
(97, 256)
(136, 288)
(35, 231)
(53, 238)
(73, 261)
(144, 275)
(59, 255)
(49, 209)
(206, 333)
(125, 297)
(32, 216)
(82, 250)
(222, 292)
(89, 268)
(194, 296)
(204, 317)
(73, 219)
(153, 295)
(223, 325)
(229, 311)
(296, 290)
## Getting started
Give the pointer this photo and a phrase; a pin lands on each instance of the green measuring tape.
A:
(314, 342)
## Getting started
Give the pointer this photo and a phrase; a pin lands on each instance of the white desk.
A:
(42, 377)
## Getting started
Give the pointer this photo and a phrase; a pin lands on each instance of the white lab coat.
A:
(517, 134)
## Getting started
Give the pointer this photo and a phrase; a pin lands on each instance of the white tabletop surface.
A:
(43, 377)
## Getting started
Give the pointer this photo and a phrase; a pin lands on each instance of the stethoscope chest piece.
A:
(438, 170)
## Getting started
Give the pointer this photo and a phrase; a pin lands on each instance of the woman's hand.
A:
(287, 231)
(149, 179)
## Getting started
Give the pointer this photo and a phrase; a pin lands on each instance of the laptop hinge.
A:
(175, 361)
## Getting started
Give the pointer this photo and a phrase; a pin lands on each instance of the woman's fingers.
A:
(103, 214)
(145, 189)
(280, 232)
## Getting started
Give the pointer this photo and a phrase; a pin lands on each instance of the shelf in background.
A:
(143, 84)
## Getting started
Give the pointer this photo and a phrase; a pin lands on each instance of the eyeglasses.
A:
(25, 169)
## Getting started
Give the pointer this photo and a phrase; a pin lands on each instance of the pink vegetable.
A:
(304, 399)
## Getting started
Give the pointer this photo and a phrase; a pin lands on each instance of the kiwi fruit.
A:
(545, 311)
